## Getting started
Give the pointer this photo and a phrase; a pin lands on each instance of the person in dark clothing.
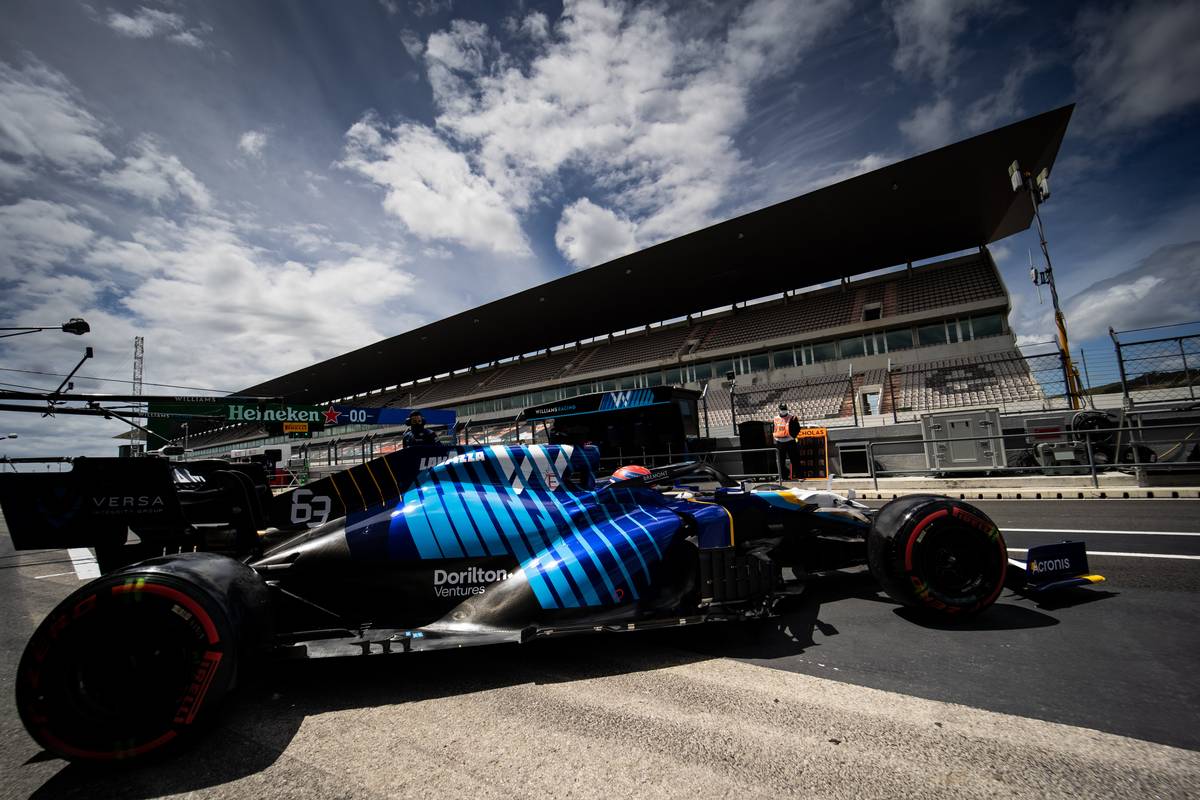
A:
(417, 433)
(784, 431)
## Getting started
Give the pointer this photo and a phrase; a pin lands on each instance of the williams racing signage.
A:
(601, 401)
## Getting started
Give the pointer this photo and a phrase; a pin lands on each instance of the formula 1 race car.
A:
(427, 548)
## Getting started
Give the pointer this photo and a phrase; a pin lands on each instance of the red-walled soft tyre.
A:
(135, 662)
(939, 555)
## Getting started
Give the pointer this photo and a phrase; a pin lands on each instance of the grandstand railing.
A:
(1158, 370)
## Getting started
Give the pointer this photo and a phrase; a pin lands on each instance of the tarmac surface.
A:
(845, 695)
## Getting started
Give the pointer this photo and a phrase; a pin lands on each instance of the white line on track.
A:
(84, 562)
(1078, 530)
(53, 575)
(1123, 555)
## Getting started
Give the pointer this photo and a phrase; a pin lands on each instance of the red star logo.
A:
(331, 416)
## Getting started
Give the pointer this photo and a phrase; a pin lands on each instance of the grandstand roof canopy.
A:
(953, 198)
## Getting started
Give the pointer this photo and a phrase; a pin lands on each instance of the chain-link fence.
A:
(1008, 380)
(1158, 370)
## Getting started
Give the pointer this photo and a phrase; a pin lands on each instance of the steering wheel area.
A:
(671, 472)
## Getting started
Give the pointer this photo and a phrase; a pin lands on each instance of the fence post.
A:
(1063, 362)
(1128, 401)
(892, 394)
(1087, 438)
(1088, 379)
(870, 464)
(733, 408)
(853, 399)
(1187, 375)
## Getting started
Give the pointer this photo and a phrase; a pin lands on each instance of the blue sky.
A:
(257, 186)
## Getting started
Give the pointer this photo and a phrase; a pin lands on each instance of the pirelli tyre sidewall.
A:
(136, 661)
(938, 555)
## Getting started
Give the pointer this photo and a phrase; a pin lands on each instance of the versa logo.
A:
(621, 399)
(142, 501)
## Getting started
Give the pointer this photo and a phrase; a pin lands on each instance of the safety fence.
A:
(1157, 370)
(1091, 451)
(1137, 448)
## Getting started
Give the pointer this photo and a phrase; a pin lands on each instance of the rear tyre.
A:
(136, 662)
(938, 555)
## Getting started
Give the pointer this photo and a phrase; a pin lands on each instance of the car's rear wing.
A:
(99, 500)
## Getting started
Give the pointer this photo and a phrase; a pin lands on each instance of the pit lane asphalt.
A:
(692, 713)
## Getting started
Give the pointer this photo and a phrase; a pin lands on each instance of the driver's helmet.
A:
(632, 471)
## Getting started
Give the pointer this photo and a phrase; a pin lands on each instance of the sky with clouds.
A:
(254, 187)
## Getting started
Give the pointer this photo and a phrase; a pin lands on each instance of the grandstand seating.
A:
(425, 394)
(534, 370)
(813, 400)
(926, 288)
(932, 288)
(776, 319)
(990, 379)
(995, 379)
(637, 348)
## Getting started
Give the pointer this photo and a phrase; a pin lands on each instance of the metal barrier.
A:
(1094, 443)
(47, 460)
(1158, 370)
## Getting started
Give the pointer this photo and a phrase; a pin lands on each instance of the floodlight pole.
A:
(1038, 190)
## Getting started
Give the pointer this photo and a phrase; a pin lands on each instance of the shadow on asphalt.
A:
(1000, 617)
(1069, 598)
(261, 722)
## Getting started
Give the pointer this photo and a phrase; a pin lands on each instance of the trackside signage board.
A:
(166, 417)
(812, 445)
(601, 401)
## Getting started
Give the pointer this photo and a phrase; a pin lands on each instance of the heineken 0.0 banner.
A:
(167, 418)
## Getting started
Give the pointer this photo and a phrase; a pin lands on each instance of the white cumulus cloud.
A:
(147, 23)
(931, 125)
(42, 120)
(927, 34)
(615, 93)
(156, 177)
(588, 234)
(38, 233)
(252, 143)
(432, 188)
(1158, 291)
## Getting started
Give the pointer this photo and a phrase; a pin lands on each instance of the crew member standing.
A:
(786, 429)
(417, 433)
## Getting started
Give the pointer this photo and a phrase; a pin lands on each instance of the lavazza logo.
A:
(467, 582)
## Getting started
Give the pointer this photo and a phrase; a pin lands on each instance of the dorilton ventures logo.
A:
(288, 414)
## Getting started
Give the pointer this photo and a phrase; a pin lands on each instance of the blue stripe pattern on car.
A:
(577, 546)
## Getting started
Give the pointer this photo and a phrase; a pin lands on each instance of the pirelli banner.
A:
(812, 451)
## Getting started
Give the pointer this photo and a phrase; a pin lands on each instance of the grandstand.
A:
(884, 348)
(905, 342)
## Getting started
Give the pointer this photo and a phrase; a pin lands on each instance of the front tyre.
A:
(135, 661)
(937, 555)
